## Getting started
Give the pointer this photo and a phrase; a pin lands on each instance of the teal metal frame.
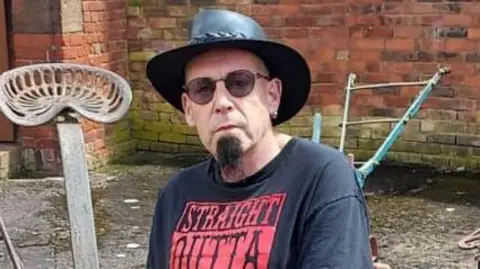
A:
(366, 168)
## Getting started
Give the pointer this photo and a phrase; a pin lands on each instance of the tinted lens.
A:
(201, 90)
(240, 83)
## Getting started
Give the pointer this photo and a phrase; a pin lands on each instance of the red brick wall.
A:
(99, 40)
(381, 41)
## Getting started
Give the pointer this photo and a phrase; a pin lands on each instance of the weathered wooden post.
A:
(36, 94)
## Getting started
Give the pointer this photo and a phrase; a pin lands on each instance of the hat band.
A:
(217, 36)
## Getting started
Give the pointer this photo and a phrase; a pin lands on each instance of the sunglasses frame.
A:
(255, 76)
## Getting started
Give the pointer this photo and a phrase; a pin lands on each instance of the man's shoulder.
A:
(186, 176)
(318, 153)
(334, 174)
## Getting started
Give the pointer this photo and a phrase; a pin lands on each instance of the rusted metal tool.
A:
(364, 169)
(472, 241)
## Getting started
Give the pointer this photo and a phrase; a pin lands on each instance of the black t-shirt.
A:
(303, 210)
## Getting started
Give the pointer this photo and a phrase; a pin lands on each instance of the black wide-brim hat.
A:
(214, 28)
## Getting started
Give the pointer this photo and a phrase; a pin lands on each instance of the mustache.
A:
(220, 126)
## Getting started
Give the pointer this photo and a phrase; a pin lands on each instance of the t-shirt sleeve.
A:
(154, 257)
(336, 229)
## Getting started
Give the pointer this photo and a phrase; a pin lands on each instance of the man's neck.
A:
(257, 157)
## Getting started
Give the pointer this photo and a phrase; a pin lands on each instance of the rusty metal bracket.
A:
(472, 241)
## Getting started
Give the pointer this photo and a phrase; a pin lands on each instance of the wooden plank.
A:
(4, 59)
(79, 198)
(7, 128)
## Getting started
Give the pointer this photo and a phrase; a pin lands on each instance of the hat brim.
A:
(165, 72)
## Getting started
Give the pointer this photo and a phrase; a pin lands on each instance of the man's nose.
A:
(222, 100)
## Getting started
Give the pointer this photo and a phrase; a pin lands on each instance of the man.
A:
(264, 200)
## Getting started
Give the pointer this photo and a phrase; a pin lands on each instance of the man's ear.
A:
(187, 110)
(274, 94)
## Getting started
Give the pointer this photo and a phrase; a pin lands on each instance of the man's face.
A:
(247, 118)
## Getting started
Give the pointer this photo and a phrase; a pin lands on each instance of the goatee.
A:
(229, 152)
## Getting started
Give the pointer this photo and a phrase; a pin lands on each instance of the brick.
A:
(144, 135)
(330, 21)
(396, 7)
(162, 22)
(295, 32)
(437, 114)
(473, 57)
(316, 9)
(158, 127)
(383, 112)
(397, 20)
(473, 33)
(448, 7)
(399, 44)
(424, 8)
(300, 121)
(414, 137)
(441, 138)
(450, 127)
(467, 116)
(460, 45)
(455, 32)
(164, 147)
(444, 103)
(301, 131)
(365, 55)
(450, 56)
(397, 67)
(362, 8)
(418, 56)
(94, 5)
(203, 2)
(435, 160)
(299, 21)
(467, 92)
(408, 31)
(404, 157)
(427, 126)
(473, 128)
(429, 44)
(369, 144)
(342, 55)
(378, 32)
(457, 19)
(362, 132)
(266, 1)
(468, 140)
(443, 92)
(180, 11)
(324, 78)
(183, 129)
(367, 43)
(379, 131)
(141, 56)
(279, 10)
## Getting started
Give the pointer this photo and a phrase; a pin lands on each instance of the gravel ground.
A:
(418, 215)
(419, 221)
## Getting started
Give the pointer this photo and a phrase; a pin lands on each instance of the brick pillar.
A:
(88, 32)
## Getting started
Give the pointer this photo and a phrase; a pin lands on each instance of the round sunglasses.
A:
(239, 83)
